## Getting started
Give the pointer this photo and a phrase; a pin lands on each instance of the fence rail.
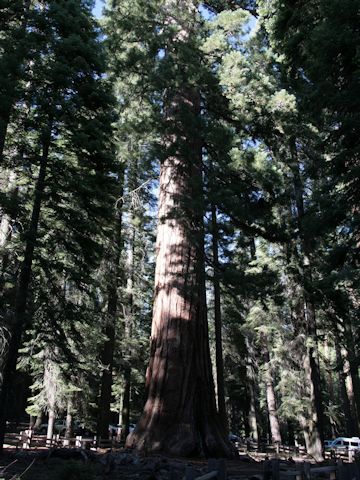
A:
(277, 470)
(291, 450)
(28, 439)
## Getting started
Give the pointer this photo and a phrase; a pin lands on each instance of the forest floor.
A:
(65, 464)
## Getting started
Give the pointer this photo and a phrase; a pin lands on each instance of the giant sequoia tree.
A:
(257, 134)
(180, 414)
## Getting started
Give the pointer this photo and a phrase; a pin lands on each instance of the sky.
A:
(98, 8)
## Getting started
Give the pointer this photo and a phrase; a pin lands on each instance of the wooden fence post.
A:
(277, 448)
(78, 441)
(26, 439)
(351, 454)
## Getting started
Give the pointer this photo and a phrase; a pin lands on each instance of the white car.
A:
(116, 429)
(327, 444)
(346, 443)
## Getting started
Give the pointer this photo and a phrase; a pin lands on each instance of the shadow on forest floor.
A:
(65, 464)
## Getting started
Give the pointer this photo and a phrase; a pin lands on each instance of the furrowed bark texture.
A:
(180, 415)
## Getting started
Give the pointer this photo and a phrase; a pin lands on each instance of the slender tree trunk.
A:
(128, 327)
(253, 423)
(50, 427)
(15, 58)
(312, 358)
(18, 320)
(218, 322)
(290, 433)
(31, 421)
(6, 230)
(69, 421)
(107, 356)
(271, 399)
(330, 377)
(38, 421)
(121, 400)
(353, 362)
(314, 443)
(4, 122)
(125, 413)
(107, 360)
(351, 426)
(252, 393)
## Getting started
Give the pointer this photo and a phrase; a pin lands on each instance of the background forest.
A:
(84, 111)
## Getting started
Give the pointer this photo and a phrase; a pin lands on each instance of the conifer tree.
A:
(70, 119)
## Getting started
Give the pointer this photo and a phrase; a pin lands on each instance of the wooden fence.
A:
(277, 470)
(290, 451)
(28, 439)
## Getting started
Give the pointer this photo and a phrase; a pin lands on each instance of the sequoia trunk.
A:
(180, 415)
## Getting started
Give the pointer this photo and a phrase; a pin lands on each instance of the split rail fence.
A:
(28, 439)
(290, 451)
(276, 470)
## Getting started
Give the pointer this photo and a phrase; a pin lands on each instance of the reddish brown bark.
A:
(180, 415)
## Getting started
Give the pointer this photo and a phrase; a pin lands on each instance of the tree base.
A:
(181, 440)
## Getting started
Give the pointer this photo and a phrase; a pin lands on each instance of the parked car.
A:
(115, 429)
(327, 444)
(234, 438)
(346, 443)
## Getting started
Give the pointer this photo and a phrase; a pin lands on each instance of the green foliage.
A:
(279, 130)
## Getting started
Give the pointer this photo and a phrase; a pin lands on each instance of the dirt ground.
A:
(61, 464)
